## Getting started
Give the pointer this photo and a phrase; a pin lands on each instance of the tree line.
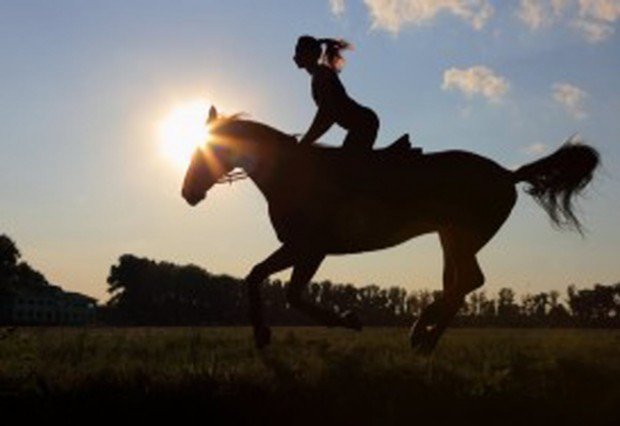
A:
(146, 292)
(15, 272)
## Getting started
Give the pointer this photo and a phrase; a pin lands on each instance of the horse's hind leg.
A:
(462, 274)
(431, 315)
(303, 272)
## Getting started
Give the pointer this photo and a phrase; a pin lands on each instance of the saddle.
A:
(399, 149)
(401, 145)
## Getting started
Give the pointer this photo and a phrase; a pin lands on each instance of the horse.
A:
(327, 201)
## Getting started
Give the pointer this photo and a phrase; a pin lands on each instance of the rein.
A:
(239, 174)
(233, 176)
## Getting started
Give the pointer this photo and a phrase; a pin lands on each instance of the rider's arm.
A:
(323, 120)
(328, 94)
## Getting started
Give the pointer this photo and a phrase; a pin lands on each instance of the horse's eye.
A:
(221, 152)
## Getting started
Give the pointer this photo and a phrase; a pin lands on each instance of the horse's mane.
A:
(222, 119)
(254, 128)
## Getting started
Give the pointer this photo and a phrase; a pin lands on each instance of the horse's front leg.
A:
(280, 259)
(303, 271)
(426, 323)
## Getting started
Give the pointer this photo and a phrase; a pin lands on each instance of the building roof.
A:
(43, 290)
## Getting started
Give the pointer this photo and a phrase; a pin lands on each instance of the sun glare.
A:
(182, 130)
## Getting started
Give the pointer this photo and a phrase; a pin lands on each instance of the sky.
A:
(86, 86)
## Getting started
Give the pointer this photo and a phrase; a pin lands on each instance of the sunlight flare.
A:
(182, 130)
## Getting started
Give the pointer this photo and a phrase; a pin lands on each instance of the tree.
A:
(9, 257)
(599, 306)
(14, 272)
(507, 310)
(144, 291)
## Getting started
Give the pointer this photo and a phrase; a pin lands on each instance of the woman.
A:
(322, 59)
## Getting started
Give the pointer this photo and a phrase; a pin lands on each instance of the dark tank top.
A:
(329, 93)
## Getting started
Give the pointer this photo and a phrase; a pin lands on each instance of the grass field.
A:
(315, 375)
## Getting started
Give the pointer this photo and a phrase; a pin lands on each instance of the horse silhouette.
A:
(326, 201)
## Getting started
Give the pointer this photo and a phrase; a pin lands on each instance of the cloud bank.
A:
(392, 15)
(594, 20)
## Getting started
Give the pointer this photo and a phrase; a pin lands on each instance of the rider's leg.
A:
(352, 140)
(371, 128)
(363, 134)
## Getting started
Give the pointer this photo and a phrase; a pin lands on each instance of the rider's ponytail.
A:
(331, 55)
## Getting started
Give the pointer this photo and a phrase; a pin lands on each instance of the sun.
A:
(182, 130)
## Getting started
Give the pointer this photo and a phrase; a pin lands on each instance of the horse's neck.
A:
(269, 150)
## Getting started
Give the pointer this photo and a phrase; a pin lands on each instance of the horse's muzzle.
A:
(193, 198)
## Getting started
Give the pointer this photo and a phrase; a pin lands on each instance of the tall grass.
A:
(312, 375)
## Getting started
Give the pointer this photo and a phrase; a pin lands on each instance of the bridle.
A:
(233, 176)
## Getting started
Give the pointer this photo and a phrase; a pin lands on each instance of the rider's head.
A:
(309, 52)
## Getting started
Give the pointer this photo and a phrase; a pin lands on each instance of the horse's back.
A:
(433, 182)
(410, 167)
(334, 195)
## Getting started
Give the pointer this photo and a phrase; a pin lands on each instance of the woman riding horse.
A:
(333, 102)
(463, 197)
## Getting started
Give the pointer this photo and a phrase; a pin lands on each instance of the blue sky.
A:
(85, 86)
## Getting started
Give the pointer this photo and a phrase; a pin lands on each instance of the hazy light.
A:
(182, 130)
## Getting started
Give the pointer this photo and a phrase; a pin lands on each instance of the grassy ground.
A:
(314, 375)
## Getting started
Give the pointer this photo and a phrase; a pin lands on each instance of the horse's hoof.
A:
(427, 347)
(427, 342)
(351, 320)
(416, 336)
(262, 336)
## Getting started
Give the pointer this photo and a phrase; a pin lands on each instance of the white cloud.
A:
(594, 19)
(558, 6)
(337, 7)
(533, 14)
(476, 80)
(536, 14)
(593, 31)
(392, 15)
(535, 149)
(602, 10)
(570, 98)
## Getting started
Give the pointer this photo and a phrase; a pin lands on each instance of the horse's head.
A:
(213, 160)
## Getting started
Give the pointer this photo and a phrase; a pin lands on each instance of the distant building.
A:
(44, 305)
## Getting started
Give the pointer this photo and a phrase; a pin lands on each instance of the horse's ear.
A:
(212, 114)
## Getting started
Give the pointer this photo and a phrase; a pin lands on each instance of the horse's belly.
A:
(350, 227)
(364, 242)
(359, 233)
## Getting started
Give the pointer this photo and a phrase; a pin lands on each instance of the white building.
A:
(45, 305)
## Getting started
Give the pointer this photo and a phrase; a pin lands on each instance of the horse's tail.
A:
(557, 178)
